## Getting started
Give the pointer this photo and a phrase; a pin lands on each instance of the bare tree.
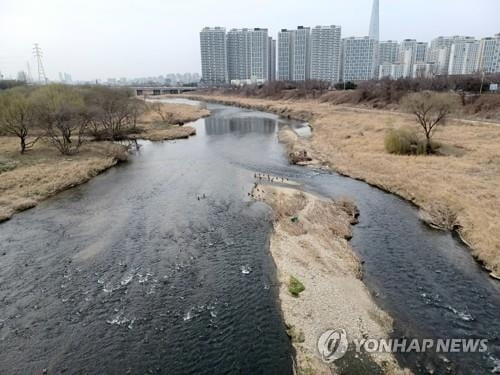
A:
(112, 108)
(17, 116)
(61, 111)
(430, 109)
(166, 117)
(137, 108)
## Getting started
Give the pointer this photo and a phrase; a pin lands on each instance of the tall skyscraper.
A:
(325, 53)
(285, 55)
(301, 63)
(213, 56)
(359, 58)
(272, 59)
(374, 22)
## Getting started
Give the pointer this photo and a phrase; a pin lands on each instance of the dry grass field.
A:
(42, 172)
(459, 189)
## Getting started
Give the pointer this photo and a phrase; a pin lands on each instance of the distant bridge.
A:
(161, 90)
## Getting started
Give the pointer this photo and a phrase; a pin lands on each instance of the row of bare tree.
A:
(67, 116)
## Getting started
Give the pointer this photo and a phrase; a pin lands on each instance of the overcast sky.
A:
(134, 38)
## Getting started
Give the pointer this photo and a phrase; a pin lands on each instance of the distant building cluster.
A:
(242, 56)
(171, 79)
(65, 78)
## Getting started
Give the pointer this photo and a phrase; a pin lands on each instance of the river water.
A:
(161, 265)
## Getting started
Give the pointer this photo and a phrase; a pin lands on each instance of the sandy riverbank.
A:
(152, 127)
(43, 172)
(459, 190)
(309, 242)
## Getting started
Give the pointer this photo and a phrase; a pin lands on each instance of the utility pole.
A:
(482, 83)
(37, 51)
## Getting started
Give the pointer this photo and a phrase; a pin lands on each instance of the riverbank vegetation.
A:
(55, 137)
(475, 100)
(457, 188)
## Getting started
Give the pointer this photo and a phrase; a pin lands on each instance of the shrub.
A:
(295, 287)
(404, 142)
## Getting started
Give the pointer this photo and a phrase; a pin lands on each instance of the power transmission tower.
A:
(37, 51)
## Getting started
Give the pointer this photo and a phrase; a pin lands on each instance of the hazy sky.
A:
(135, 38)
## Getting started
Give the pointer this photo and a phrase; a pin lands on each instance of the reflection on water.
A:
(218, 126)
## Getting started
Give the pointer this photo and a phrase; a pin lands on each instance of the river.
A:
(161, 265)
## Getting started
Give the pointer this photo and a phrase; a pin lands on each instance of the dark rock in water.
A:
(299, 157)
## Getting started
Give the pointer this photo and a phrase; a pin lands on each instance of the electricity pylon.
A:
(37, 51)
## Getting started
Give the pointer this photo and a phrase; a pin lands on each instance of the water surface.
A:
(162, 265)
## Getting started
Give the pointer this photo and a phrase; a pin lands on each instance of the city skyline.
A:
(154, 38)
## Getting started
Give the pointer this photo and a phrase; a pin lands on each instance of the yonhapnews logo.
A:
(333, 345)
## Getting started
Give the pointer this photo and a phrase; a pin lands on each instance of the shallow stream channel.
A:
(162, 265)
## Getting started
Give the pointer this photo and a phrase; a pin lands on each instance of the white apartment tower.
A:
(325, 53)
(301, 52)
(463, 57)
(285, 54)
(439, 51)
(259, 54)
(272, 59)
(421, 52)
(247, 54)
(238, 54)
(213, 56)
(489, 55)
(408, 47)
(359, 58)
(388, 51)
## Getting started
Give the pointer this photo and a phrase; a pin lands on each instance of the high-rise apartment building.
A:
(238, 54)
(408, 47)
(247, 54)
(439, 51)
(285, 54)
(423, 70)
(359, 58)
(325, 53)
(421, 52)
(301, 52)
(488, 55)
(463, 57)
(272, 59)
(388, 51)
(496, 62)
(213, 56)
(259, 54)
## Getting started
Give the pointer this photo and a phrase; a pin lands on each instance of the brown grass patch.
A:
(43, 172)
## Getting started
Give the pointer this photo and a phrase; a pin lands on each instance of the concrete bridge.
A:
(161, 90)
